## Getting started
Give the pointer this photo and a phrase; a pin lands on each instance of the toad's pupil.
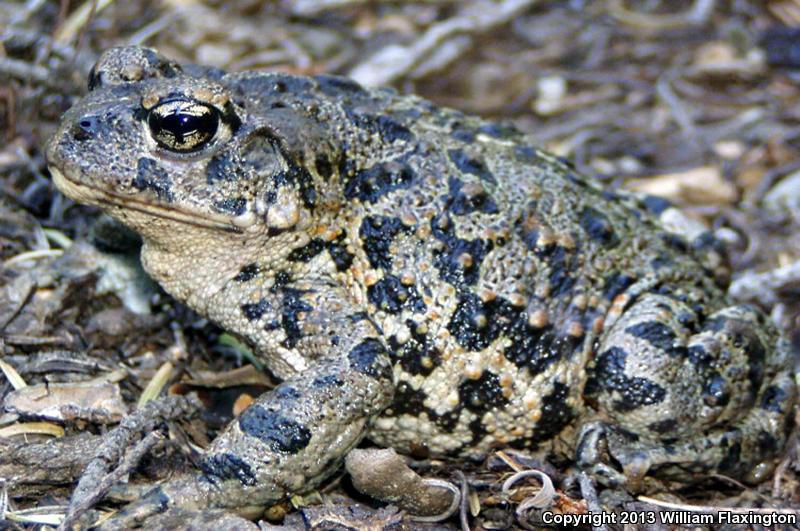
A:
(182, 125)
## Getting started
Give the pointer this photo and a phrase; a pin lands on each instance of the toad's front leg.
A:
(296, 435)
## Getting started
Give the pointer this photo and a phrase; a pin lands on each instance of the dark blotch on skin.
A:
(282, 279)
(715, 391)
(767, 443)
(307, 252)
(389, 129)
(370, 357)
(448, 260)
(221, 467)
(151, 176)
(248, 272)
(377, 233)
(466, 323)
(556, 414)
(358, 317)
(499, 130)
(662, 261)
(616, 284)
(598, 227)
(676, 242)
(281, 433)
(537, 349)
(223, 167)
(663, 427)
(298, 176)
(609, 375)
(698, 356)
(531, 348)
(655, 205)
(661, 336)
(342, 258)
(293, 305)
(461, 204)
(774, 399)
(715, 324)
(287, 392)
(373, 183)
(482, 394)
(391, 296)
(559, 259)
(255, 311)
(732, 460)
(407, 400)
(330, 380)
(324, 167)
(463, 134)
(235, 206)
(741, 336)
(417, 355)
(475, 166)
(527, 155)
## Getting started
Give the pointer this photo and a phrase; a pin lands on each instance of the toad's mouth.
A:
(84, 193)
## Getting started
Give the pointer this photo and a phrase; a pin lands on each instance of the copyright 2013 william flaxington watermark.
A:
(765, 518)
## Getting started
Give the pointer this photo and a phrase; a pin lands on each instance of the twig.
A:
(676, 106)
(126, 466)
(147, 419)
(26, 71)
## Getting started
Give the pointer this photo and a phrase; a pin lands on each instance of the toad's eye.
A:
(183, 125)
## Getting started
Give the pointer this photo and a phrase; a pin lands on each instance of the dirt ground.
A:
(697, 101)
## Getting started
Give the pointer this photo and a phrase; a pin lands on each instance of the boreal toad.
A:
(426, 279)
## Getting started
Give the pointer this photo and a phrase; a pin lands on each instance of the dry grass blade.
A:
(48, 515)
(30, 428)
(450, 511)
(544, 498)
(155, 385)
(697, 14)
(78, 19)
(14, 378)
(32, 255)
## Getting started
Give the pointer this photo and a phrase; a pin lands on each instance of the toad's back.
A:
(490, 266)
(422, 276)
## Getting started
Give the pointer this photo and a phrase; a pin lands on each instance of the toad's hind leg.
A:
(679, 397)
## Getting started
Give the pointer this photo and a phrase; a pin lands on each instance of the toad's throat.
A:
(96, 196)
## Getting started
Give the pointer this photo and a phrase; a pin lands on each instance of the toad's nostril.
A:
(85, 128)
